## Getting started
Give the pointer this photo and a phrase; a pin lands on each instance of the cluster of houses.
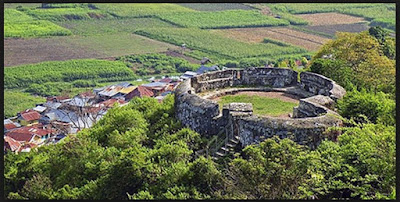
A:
(50, 122)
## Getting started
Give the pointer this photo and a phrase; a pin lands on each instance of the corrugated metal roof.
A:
(127, 89)
(40, 109)
(30, 116)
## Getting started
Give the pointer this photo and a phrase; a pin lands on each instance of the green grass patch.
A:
(215, 6)
(389, 23)
(113, 45)
(17, 101)
(223, 19)
(261, 105)
(67, 71)
(140, 9)
(63, 14)
(20, 25)
(215, 44)
(112, 26)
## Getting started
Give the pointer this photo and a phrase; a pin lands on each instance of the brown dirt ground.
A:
(330, 18)
(27, 51)
(282, 96)
(176, 54)
(256, 35)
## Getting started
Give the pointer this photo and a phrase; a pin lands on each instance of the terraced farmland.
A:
(332, 29)
(223, 19)
(216, 44)
(257, 35)
(316, 19)
(20, 25)
(27, 51)
(215, 7)
(140, 9)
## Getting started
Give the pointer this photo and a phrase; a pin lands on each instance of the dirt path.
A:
(179, 55)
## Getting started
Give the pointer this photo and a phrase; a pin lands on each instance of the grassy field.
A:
(261, 105)
(210, 43)
(140, 9)
(330, 18)
(223, 19)
(20, 25)
(17, 101)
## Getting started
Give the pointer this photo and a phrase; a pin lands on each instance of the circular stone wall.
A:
(310, 119)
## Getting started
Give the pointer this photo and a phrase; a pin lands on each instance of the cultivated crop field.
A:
(223, 19)
(211, 43)
(62, 14)
(55, 71)
(18, 24)
(332, 29)
(215, 7)
(370, 11)
(15, 101)
(27, 51)
(112, 26)
(141, 10)
(330, 18)
(257, 35)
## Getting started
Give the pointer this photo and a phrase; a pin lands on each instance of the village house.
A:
(140, 91)
(188, 74)
(62, 98)
(9, 125)
(28, 117)
(11, 145)
(204, 69)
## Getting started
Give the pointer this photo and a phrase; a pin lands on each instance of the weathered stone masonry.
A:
(310, 119)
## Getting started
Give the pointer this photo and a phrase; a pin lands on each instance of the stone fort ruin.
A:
(238, 124)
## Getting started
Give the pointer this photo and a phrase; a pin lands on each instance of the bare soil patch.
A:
(332, 29)
(330, 18)
(27, 51)
(256, 35)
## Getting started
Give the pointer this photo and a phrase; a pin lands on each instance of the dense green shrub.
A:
(378, 108)
(336, 70)
(155, 63)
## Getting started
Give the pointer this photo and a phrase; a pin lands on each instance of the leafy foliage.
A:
(362, 53)
(378, 108)
(18, 101)
(156, 64)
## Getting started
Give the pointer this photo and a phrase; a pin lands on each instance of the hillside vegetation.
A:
(18, 24)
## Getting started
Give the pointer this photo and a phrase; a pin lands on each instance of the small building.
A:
(40, 109)
(110, 103)
(204, 69)
(140, 91)
(188, 74)
(11, 145)
(9, 125)
(28, 117)
(57, 98)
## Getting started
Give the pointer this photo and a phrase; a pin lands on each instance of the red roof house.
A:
(110, 102)
(140, 91)
(11, 144)
(28, 117)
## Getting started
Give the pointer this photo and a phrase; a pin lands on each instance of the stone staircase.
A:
(227, 148)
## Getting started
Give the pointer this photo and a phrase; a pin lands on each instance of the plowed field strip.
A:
(256, 35)
(294, 36)
(330, 18)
